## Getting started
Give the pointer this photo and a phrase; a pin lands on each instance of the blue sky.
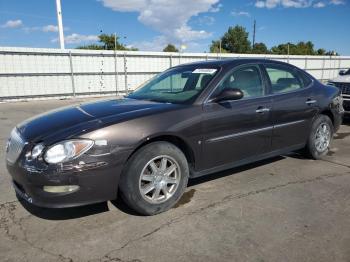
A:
(151, 24)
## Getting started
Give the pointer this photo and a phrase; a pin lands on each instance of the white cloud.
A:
(168, 17)
(284, 3)
(215, 8)
(12, 24)
(50, 28)
(240, 13)
(156, 44)
(77, 39)
(319, 5)
(295, 3)
(206, 20)
(337, 2)
(159, 42)
(45, 29)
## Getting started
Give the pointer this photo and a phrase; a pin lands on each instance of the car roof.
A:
(231, 62)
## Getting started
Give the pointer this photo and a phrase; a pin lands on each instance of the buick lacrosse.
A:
(188, 121)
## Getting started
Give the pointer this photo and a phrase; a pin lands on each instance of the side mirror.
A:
(229, 94)
(342, 72)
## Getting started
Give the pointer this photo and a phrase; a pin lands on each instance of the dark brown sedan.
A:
(188, 121)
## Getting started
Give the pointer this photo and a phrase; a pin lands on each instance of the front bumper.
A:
(97, 182)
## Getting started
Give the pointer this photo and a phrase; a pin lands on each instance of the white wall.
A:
(33, 72)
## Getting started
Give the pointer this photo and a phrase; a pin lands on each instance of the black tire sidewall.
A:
(129, 183)
(314, 153)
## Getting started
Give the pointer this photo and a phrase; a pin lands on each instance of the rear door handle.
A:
(311, 101)
(261, 110)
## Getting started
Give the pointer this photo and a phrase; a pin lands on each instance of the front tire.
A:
(320, 137)
(154, 178)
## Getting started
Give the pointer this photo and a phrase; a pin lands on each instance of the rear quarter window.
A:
(305, 78)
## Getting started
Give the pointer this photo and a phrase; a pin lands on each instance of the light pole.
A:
(59, 22)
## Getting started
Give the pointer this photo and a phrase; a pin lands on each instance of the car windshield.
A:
(178, 85)
(347, 72)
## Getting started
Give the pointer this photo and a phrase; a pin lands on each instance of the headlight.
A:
(67, 150)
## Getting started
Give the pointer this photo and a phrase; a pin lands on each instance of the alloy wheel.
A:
(322, 137)
(159, 179)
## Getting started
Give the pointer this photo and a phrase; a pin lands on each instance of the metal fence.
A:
(41, 73)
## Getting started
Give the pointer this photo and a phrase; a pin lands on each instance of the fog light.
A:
(60, 189)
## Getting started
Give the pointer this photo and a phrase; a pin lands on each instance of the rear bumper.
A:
(95, 184)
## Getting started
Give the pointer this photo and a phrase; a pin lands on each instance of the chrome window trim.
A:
(207, 100)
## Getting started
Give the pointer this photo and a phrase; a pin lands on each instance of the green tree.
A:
(282, 49)
(91, 47)
(321, 51)
(332, 53)
(301, 48)
(215, 47)
(235, 40)
(260, 48)
(107, 42)
(170, 48)
(305, 48)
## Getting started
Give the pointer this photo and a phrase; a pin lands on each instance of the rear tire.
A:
(320, 137)
(154, 178)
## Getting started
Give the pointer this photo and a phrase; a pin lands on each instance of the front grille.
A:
(14, 147)
(344, 87)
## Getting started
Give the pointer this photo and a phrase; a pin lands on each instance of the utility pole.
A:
(116, 64)
(59, 22)
(254, 32)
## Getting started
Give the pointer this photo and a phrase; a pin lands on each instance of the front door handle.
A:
(311, 101)
(261, 110)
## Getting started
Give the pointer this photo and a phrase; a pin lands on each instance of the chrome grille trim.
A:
(14, 147)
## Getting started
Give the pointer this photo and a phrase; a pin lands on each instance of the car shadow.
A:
(88, 210)
(64, 213)
(203, 179)
(346, 120)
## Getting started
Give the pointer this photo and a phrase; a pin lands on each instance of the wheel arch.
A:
(176, 140)
(328, 112)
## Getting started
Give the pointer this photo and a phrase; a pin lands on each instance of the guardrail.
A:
(27, 73)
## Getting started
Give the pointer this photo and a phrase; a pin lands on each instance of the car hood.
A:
(68, 121)
(342, 79)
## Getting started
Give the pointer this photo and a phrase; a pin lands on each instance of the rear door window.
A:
(283, 79)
